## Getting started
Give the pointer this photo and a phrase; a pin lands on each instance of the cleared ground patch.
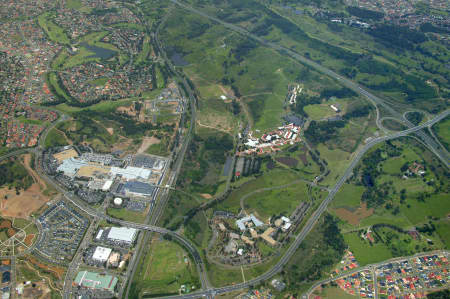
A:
(146, 143)
(22, 205)
(354, 216)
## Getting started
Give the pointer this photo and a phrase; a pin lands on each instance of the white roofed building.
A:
(122, 234)
(101, 254)
(131, 173)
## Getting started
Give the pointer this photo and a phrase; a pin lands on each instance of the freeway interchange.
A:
(208, 291)
(150, 225)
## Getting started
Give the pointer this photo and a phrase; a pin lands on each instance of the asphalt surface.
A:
(315, 216)
(429, 141)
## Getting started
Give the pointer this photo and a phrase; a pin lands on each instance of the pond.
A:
(99, 52)
(178, 59)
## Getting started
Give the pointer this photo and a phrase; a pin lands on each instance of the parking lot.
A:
(63, 228)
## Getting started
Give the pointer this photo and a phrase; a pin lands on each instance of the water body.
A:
(99, 52)
(178, 59)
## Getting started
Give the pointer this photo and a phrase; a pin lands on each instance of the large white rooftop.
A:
(101, 254)
(131, 172)
(241, 222)
(70, 166)
(124, 234)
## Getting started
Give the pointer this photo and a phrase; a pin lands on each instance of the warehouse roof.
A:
(131, 173)
(101, 254)
(94, 280)
(125, 234)
(71, 166)
(139, 187)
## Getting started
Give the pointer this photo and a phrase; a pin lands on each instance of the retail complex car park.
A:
(95, 177)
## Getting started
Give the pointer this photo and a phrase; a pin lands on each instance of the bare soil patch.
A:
(303, 157)
(24, 204)
(29, 239)
(146, 143)
(36, 177)
(354, 217)
(5, 224)
(110, 131)
(206, 195)
(130, 111)
(288, 161)
(58, 271)
(10, 232)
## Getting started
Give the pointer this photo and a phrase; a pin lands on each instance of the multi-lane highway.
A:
(316, 215)
(290, 251)
(207, 291)
(375, 100)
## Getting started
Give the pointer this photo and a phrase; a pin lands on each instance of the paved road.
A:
(441, 153)
(429, 141)
(315, 216)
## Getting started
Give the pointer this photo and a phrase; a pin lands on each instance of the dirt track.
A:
(146, 143)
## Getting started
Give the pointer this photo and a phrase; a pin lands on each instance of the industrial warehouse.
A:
(95, 176)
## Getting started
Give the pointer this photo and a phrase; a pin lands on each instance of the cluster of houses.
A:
(404, 12)
(91, 81)
(77, 23)
(272, 141)
(14, 132)
(412, 277)
(347, 263)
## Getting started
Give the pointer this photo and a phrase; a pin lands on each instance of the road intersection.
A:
(157, 210)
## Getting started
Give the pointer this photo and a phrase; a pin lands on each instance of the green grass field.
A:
(275, 177)
(159, 149)
(55, 138)
(337, 161)
(330, 292)
(52, 80)
(126, 215)
(318, 111)
(258, 75)
(74, 4)
(165, 267)
(443, 230)
(53, 31)
(104, 106)
(25, 120)
(442, 130)
(159, 78)
(275, 202)
(349, 196)
(146, 48)
(364, 252)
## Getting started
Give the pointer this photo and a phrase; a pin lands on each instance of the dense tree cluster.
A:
(365, 13)
(399, 37)
(319, 132)
(13, 173)
(327, 250)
